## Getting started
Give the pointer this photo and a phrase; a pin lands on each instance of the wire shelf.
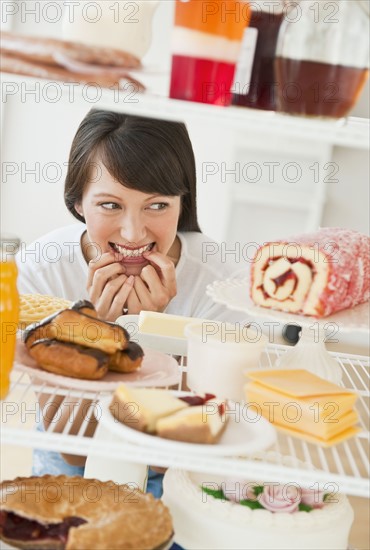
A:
(344, 467)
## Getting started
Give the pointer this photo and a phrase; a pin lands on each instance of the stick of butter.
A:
(164, 324)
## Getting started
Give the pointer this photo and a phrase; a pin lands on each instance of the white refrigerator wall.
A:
(39, 124)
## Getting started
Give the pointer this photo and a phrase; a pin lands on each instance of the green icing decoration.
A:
(215, 493)
(304, 507)
(257, 490)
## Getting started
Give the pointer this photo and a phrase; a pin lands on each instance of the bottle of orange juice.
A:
(9, 309)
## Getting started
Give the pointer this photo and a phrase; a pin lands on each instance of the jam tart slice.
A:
(74, 513)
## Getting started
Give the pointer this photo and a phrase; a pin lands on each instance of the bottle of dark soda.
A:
(254, 82)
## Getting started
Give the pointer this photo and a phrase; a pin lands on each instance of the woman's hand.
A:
(155, 286)
(108, 286)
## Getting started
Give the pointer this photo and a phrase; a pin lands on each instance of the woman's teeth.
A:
(132, 253)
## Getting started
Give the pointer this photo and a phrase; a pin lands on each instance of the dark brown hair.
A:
(149, 155)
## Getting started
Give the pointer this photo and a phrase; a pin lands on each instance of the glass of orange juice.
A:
(206, 43)
(9, 309)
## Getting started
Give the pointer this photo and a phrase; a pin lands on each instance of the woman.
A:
(131, 181)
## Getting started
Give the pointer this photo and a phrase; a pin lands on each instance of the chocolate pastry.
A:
(40, 330)
(76, 327)
(70, 359)
(128, 360)
(85, 307)
(74, 513)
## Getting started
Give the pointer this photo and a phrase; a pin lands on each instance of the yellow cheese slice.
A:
(296, 382)
(302, 403)
(339, 438)
(328, 408)
(291, 416)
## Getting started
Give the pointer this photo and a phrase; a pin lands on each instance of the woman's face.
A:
(127, 221)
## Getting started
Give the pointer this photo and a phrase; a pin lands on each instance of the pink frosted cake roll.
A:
(315, 274)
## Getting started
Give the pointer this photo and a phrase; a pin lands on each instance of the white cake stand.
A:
(310, 352)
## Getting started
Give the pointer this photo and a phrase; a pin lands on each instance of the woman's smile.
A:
(132, 255)
(131, 251)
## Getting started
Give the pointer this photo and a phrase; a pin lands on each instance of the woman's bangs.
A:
(150, 173)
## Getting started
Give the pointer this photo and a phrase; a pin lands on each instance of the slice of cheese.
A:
(141, 408)
(164, 324)
(322, 419)
(327, 408)
(339, 438)
(297, 383)
(302, 404)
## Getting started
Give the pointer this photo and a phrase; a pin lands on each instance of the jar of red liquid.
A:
(254, 82)
(322, 58)
(206, 42)
(9, 309)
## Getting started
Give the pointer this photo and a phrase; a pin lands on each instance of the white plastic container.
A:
(123, 25)
(219, 355)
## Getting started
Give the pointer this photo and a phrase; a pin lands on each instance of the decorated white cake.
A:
(209, 511)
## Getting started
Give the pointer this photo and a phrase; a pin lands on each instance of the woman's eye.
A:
(109, 205)
(158, 206)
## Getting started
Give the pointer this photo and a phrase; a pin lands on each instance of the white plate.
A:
(241, 436)
(234, 294)
(157, 369)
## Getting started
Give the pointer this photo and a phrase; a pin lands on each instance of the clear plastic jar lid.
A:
(9, 246)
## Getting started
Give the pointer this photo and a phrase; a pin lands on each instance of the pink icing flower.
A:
(312, 497)
(237, 490)
(280, 498)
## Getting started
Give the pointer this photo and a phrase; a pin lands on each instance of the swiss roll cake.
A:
(314, 274)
